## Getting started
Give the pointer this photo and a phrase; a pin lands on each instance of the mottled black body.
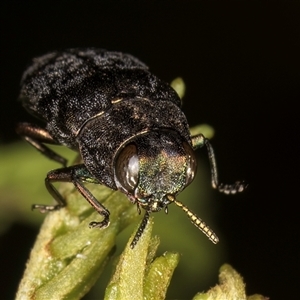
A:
(68, 90)
(125, 122)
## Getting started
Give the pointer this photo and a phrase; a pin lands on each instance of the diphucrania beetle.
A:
(126, 124)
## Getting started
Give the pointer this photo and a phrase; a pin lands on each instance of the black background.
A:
(240, 62)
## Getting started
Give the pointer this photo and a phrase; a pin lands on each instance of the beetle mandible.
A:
(126, 124)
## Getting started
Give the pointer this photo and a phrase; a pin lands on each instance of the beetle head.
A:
(154, 167)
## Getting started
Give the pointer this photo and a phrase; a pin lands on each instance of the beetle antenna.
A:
(140, 230)
(196, 220)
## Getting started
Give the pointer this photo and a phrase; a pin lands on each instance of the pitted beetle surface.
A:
(126, 124)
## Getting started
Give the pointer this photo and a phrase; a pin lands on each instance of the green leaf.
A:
(231, 287)
(137, 275)
(68, 256)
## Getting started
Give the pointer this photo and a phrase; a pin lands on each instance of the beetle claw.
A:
(102, 224)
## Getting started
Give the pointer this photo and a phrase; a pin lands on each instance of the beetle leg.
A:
(75, 174)
(199, 141)
(36, 137)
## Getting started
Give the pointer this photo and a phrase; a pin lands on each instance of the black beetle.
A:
(126, 124)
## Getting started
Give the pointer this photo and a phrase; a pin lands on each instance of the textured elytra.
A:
(67, 88)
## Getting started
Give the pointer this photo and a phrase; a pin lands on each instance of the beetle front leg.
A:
(95, 203)
(77, 175)
(199, 141)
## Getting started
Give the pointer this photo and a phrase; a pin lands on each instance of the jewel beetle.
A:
(126, 124)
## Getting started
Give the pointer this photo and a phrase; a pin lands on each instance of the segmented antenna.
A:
(196, 220)
(140, 230)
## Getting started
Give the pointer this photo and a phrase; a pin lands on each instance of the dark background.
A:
(240, 62)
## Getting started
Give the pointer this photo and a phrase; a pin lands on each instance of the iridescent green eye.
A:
(191, 167)
(127, 168)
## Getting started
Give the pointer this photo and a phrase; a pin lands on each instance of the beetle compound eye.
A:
(191, 164)
(127, 168)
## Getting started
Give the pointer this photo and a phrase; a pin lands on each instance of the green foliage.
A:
(68, 257)
(22, 173)
(139, 275)
(231, 287)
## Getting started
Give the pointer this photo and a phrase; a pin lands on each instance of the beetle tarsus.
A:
(232, 189)
(228, 189)
(102, 224)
